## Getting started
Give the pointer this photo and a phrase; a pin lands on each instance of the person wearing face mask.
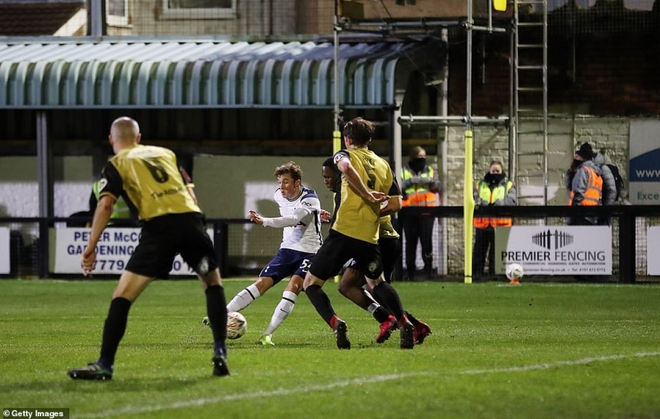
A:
(587, 180)
(420, 186)
(493, 190)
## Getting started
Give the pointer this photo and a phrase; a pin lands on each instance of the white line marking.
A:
(132, 410)
(559, 364)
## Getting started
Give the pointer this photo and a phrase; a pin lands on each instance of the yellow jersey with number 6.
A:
(149, 177)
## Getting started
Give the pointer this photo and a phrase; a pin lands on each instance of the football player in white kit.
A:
(300, 220)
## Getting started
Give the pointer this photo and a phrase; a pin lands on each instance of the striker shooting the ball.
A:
(300, 221)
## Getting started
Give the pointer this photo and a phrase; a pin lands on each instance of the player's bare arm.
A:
(354, 180)
(102, 215)
(394, 205)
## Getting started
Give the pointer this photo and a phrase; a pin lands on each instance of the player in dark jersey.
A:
(149, 180)
(390, 249)
(367, 179)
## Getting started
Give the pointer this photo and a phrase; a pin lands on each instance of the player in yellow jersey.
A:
(367, 179)
(352, 280)
(149, 180)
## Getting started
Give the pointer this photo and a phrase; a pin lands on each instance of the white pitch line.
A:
(559, 364)
(132, 410)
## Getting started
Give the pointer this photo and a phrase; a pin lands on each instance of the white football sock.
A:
(282, 311)
(244, 298)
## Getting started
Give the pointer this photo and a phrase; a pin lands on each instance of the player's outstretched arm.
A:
(279, 222)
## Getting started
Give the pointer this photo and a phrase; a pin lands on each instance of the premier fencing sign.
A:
(112, 252)
(555, 250)
(5, 263)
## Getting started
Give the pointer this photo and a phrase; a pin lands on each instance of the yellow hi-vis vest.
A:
(120, 210)
(417, 195)
(499, 192)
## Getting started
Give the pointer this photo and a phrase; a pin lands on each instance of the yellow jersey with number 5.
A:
(355, 217)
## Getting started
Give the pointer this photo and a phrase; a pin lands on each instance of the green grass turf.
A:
(497, 351)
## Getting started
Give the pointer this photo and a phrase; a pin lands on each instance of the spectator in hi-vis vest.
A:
(493, 190)
(609, 190)
(421, 188)
(586, 184)
(120, 211)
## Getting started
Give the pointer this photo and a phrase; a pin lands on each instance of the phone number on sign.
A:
(119, 264)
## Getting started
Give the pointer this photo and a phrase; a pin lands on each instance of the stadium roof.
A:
(170, 74)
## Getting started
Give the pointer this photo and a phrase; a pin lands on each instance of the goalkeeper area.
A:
(541, 350)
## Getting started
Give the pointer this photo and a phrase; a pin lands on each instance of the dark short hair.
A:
(359, 130)
(290, 168)
(329, 162)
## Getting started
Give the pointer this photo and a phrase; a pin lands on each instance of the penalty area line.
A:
(132, 410)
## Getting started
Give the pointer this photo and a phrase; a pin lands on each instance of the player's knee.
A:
(342, 287)
(295, 285)
(311, 280)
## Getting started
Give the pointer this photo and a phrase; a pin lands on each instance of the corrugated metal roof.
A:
(109, 74)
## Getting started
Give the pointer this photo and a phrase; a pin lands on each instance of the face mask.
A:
(494, 178)
(577, 163)
(417, 164)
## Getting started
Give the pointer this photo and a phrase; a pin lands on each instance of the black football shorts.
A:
(162, 238)
(337, 249)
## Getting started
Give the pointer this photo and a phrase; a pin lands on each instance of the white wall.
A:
(226, 186)
(19, 188)
(229, 186)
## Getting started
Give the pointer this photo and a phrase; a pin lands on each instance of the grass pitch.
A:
(497, 351)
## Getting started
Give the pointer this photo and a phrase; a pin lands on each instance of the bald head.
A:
(125, 128)
(124, 132)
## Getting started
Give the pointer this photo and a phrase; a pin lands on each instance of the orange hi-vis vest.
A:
(417, 195)
(485, 193)
(594, 190)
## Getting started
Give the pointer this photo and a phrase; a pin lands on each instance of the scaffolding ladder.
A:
(529, 166)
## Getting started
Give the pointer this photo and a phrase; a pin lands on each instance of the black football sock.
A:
(216, 310)
(113, 330)
(381, 314)
(388, 294)
(321, 302)
(377, 298)
(412, 318)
